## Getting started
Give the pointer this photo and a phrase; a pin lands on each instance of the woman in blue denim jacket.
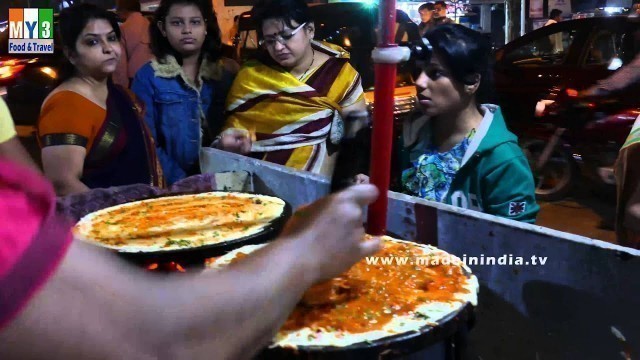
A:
(180, 86)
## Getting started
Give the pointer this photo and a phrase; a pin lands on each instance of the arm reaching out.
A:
(96, 306)
(13, 150)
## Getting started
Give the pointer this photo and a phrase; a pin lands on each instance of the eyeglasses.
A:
(282, 38)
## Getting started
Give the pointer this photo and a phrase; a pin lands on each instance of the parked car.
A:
(528, 68)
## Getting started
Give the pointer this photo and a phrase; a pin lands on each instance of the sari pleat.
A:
(119, 147)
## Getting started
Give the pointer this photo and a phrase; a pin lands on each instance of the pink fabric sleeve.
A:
(33, 240)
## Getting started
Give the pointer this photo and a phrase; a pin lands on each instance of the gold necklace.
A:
(313, 57)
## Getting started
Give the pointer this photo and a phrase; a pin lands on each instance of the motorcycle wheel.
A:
(554, 181)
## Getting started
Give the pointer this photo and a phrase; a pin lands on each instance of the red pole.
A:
(382, 138)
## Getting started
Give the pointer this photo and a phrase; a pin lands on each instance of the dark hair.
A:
(466, 53)
(212, 46)
(426, 6)
(128, 5)
(287, 10)
(555, 13)
(402, 17)
(71, 22)
(442, 3)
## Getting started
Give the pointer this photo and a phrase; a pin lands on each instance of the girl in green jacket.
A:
(460, 151)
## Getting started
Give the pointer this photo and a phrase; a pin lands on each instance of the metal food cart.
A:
(583, 303)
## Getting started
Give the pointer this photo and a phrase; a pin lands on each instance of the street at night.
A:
(320, 179)
(583, 213)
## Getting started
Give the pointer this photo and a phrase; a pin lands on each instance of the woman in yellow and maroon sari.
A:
(91, 131)
(294, 98)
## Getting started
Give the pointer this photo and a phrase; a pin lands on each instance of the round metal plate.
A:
(386, 348)
(199, 254)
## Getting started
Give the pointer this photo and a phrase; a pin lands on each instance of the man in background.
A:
(406, 29)
(426, 17)
(555, 16)
(440, 14)
(234, 30)
(135, 41)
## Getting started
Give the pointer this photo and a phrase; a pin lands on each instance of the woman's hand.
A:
(361, 179)
(235, 140)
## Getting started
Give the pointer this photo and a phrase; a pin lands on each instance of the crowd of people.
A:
(136, 102)
(291, 105)
(432, 15)
(132, 109)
